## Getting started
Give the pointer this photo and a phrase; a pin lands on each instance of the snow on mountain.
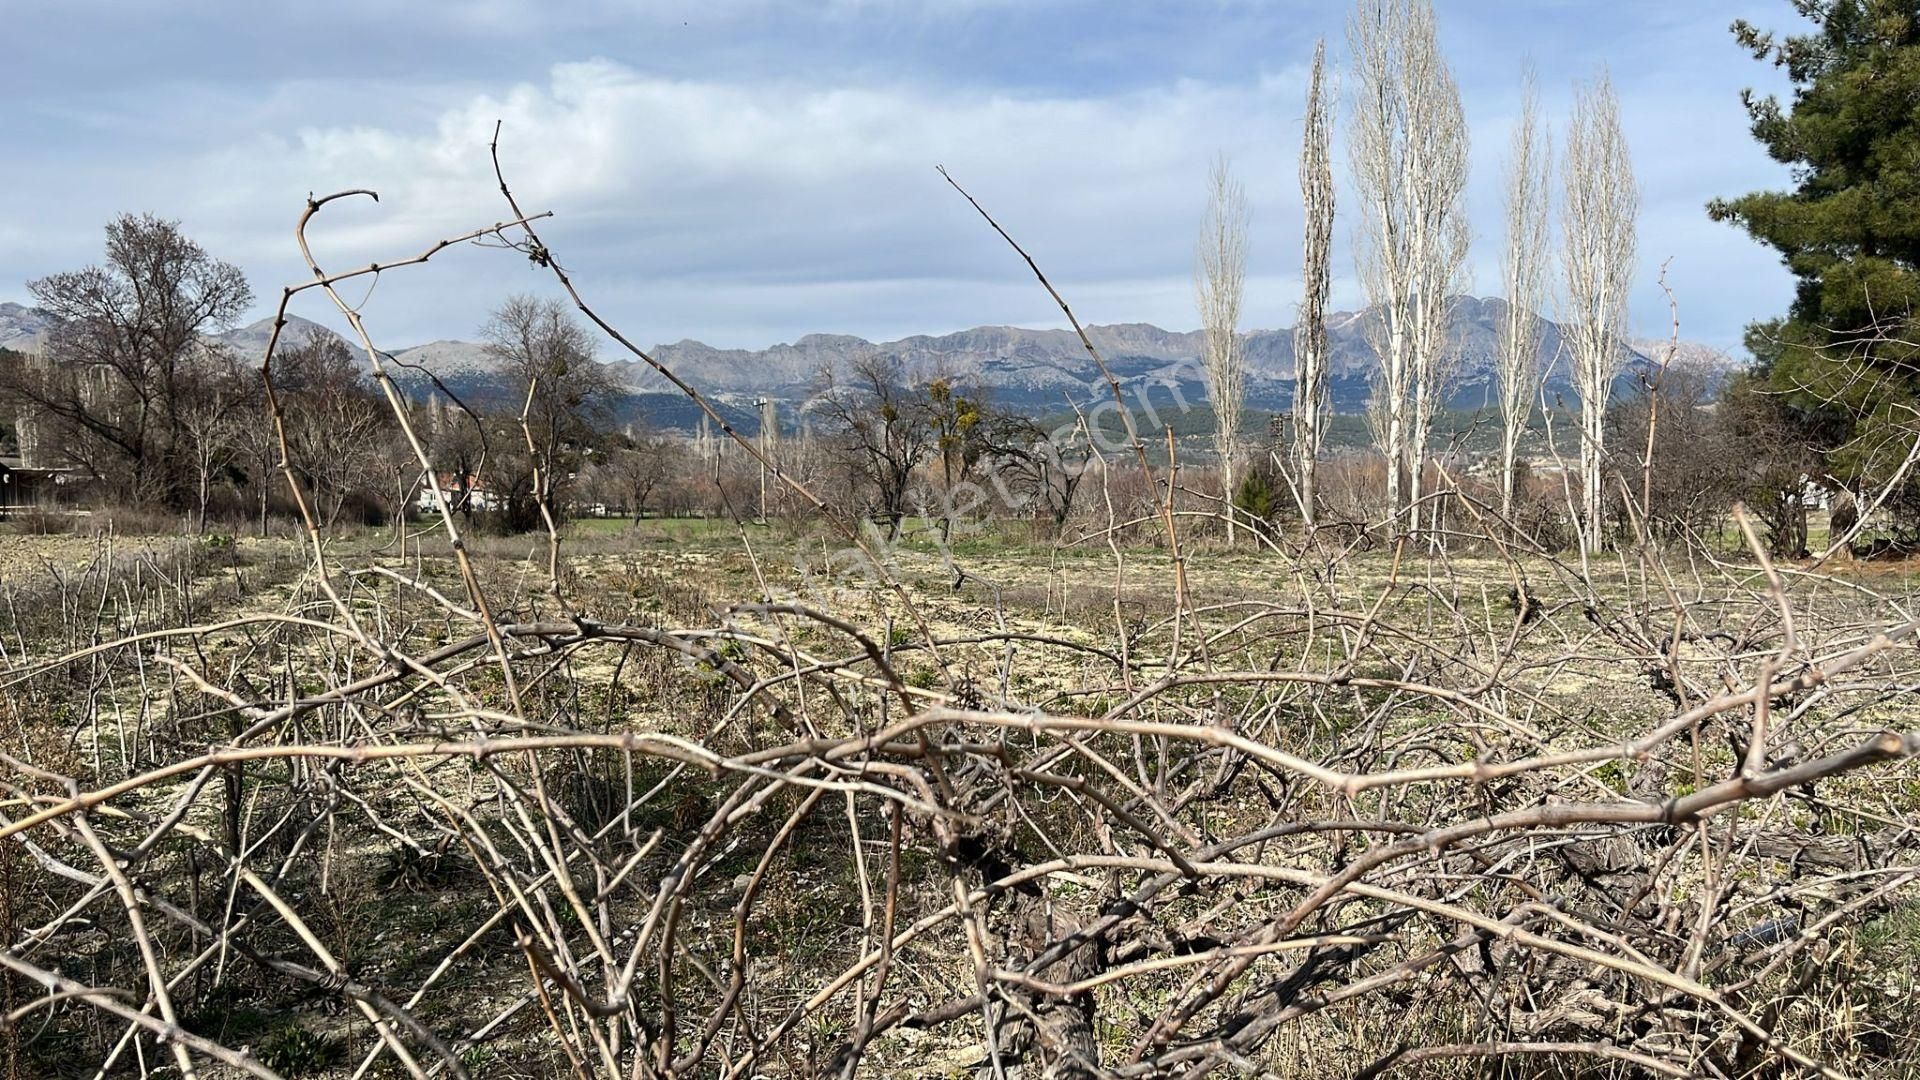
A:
(23, 329)
(1035, 370)
(250, 341)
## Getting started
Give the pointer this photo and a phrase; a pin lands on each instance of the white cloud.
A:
(744, 208)
(711, 192)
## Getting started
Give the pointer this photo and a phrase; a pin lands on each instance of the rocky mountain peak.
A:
(22, 328)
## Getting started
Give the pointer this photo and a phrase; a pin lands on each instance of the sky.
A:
(744, 172)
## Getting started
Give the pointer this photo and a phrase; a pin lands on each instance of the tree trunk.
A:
(1226, 472)
(201, 512)
(1509, 455)
(1593, 420)
(1053, 1036)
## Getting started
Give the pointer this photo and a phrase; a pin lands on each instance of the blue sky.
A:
(746, 171)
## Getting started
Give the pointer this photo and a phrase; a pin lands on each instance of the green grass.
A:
(651, 529)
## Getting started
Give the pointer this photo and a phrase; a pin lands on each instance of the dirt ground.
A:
(23, 557)
(1021, 623)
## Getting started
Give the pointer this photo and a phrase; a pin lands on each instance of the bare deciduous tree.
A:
(1769, 450)
(1039, 469)
(333, 424)
(1523, 273)
(1310, 391)
(561, 392)
(1702, 447)
(1409, 159)
(1597, 225)
(1437, 163)
(637, 465)
(213, 412)
(336, 446)
(883, 428)
(109, 398)
(1219, 284)
(309, 371)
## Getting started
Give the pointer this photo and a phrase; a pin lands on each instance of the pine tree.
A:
(1846, 356)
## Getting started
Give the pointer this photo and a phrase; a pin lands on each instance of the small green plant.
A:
(1611, 774)
(295, 1051)
(1255, 497)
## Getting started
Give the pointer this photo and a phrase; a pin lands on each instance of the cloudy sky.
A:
(746, 171)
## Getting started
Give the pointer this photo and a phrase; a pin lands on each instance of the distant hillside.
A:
(1037, 371)
(250, 341)
(23, 329)
(1044, 371)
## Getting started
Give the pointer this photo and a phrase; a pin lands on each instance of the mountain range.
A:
(1041, 372)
